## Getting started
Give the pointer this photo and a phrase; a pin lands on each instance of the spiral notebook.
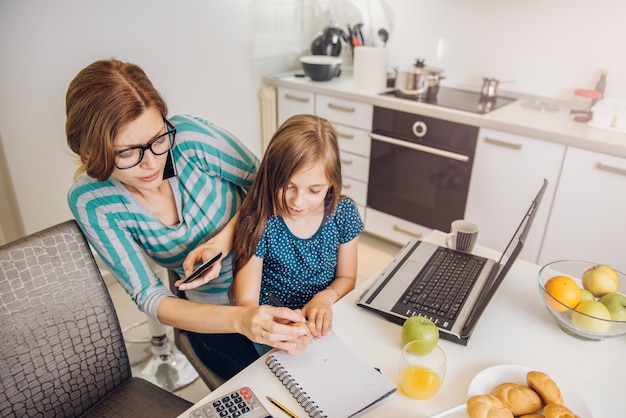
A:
(330, 379)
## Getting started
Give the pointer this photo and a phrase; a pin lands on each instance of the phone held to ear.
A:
(202, 269)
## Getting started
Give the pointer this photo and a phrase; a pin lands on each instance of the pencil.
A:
(275, 301)
(282, 407)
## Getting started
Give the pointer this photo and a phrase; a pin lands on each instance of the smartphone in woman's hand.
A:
(202, 269)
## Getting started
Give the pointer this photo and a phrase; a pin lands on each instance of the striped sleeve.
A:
(101, 211)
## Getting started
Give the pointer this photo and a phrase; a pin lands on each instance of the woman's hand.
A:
(201, 253)
(221, 242)
(282, 328)
(319, 312)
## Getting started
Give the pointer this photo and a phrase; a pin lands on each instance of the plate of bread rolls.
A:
(510, 390)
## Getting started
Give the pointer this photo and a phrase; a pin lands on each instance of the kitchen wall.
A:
(198, 54)
(545, 47)
(195, 51)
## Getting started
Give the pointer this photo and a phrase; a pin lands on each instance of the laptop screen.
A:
(508, 257)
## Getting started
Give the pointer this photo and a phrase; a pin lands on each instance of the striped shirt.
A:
(214, 171)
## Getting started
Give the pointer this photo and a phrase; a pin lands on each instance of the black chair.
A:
(181, 340)
(62, 352)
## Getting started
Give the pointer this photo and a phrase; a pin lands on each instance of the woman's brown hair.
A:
(102, 98)
(300, 142)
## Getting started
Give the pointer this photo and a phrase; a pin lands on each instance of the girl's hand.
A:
(319, 313)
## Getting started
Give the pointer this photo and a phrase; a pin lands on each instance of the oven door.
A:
(424, 185)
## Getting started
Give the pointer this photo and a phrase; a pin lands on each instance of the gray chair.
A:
(62, 352)
(181, 340)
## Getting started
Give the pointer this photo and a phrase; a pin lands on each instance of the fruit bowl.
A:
(586, 320)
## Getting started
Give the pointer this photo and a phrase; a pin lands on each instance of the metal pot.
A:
(418, 80)
(490, 88)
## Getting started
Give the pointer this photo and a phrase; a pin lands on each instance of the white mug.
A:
(463, 235)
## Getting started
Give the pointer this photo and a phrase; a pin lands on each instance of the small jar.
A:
(583, 100)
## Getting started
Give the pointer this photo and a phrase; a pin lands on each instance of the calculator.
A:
(239, 403)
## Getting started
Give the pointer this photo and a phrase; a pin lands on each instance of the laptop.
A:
(411, 285)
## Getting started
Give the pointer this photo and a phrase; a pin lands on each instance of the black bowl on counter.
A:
(321, 67)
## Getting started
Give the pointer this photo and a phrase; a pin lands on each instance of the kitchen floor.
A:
(374, 255)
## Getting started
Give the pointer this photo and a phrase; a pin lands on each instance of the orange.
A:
(565, 290)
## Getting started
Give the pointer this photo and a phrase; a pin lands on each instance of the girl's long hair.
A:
(300, 142)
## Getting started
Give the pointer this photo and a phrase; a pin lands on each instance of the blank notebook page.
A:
(330, 379)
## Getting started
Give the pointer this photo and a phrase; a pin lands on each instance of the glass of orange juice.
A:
(421, 374)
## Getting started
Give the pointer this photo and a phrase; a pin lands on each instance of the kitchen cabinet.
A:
(587, 219)
(294, 102)
(354, 147)
(352, 122)
(507, 172)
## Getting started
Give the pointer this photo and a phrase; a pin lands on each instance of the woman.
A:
(149, 186)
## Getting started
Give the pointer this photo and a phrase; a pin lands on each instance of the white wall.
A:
(548, 47)
(195, 51)
(197, 54)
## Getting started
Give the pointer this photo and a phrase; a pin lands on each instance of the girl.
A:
(296, 237)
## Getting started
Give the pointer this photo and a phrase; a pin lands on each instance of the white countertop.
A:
(514, 329)
(517, 118)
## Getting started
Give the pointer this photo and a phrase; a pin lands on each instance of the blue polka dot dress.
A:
(295, 269)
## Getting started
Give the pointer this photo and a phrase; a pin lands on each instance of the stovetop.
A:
(469, 101)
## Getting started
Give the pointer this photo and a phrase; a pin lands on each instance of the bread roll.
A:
(553, 410)
(487, 406)
(545, 387)
(535, 415)
(520, 399)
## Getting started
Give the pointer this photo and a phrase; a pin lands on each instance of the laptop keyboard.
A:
(440, 290)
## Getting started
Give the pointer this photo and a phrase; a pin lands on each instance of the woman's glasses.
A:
(130, 157)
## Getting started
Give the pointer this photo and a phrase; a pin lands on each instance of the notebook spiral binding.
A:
(296, 391)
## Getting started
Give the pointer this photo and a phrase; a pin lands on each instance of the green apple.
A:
(600, 313)
(601, 280)
(586, 296)
(616, 304)
(422, 329)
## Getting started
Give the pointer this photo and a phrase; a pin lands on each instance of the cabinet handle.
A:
(297, 98)
(419, 147)
(346, 185)
(407, 232)
(611, 168)
(343, 108)
(346, 136)
(503, 143)
(345, 161)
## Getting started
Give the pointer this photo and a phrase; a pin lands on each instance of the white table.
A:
(515, 328)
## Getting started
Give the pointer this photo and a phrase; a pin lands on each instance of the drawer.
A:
(294, 102)
(392, 228)
(354, 166)
(355, 189)
(345, 112)
(356, 141)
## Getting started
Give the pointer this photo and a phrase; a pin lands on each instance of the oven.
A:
(420, 167)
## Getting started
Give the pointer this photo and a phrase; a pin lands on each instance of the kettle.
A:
(328, 42)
